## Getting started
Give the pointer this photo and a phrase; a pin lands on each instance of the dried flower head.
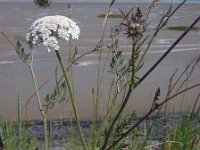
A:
(133, 24)
(42, 3)
(49, 29)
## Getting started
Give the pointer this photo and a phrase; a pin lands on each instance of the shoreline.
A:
(60, 136)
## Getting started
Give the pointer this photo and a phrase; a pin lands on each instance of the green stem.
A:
(40, 107)
(45, 133)
(133, 64)
(71, 94)
(125, 100)
(117, 117)
(19, 122)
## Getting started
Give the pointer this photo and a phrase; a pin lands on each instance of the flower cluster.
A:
(133, 24)
(49, 29)
(136, 28)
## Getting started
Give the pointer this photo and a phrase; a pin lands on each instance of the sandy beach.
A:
(15, 78)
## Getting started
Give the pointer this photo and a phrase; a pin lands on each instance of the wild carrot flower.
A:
(49, 29)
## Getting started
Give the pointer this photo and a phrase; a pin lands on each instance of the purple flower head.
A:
(133, 24)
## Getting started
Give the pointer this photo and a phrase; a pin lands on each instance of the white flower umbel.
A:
(49, 29)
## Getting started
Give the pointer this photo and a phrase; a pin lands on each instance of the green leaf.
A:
(122, 126)
(58, 95)
(21, 53)
(157, 94)
(117, 60)
(139, 13)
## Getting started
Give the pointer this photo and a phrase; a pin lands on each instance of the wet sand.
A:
(15, 78)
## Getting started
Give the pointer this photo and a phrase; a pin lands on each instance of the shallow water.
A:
(15, 78)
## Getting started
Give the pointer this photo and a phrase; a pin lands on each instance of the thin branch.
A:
(163, 22)
(33, 95)
(170, 49)
(6, 37)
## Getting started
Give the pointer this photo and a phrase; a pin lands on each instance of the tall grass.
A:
(15, 135)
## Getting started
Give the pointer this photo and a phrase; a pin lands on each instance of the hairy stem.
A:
(71, 94)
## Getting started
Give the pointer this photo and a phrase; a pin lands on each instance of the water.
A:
(15, 79)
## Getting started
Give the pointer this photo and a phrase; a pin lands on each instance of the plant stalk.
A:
(40, 107)
(19, 122)
(71, 94)
(133, 64)
(126, 99)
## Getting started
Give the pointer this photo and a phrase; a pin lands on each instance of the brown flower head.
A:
(133, 24)
(42, 3)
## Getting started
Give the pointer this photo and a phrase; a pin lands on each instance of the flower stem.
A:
(40, 107)
(71, 94)
(133, 64)
(45, 133)
(125, 100)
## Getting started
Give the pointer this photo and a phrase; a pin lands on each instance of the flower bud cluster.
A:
(136, 28)
(133, 24)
